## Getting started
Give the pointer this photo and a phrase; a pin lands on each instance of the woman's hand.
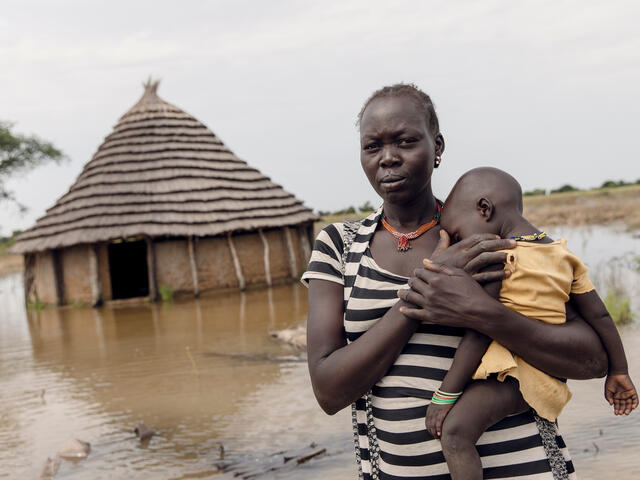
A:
(445, 295)
(474, 254)
(448, 284)
(449, 296)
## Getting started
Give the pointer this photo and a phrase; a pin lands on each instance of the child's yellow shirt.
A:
(542, 277)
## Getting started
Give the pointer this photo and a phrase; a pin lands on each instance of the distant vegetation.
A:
(366, 207)
(614, 201)
(7, 242)
(570, 188)
(600, 206)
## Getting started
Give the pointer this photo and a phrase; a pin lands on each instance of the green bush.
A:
(366, 207)
(565, 188)
(166, 293)
(535, 191)
(613, 184)
(36, 304)
(619, 306)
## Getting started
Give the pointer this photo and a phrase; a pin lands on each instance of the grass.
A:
(166, 293)
(10, 263)
(36, 304)
(586, 207)
(618, 304)
(343, 217)
(582, 207)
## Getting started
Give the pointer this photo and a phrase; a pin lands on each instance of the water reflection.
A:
(200, 372)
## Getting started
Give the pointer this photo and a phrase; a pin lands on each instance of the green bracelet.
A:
(440, 401)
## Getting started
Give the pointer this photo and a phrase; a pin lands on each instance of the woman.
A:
(364, 351)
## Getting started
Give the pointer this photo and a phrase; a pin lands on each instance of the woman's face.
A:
(397, 149)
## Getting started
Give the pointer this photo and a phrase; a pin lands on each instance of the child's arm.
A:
(465, 362)
(619, 389)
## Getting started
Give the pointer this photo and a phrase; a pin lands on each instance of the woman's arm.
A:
(340, 372)
(450, 296)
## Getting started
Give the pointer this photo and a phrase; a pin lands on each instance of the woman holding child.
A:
(363, 351)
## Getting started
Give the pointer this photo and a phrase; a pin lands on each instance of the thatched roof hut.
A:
(163, 199)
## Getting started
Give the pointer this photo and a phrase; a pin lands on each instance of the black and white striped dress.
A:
(390, 435)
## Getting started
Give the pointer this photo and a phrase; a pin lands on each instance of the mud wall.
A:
(214, 264)
(172, 265)
(250, 252)
(67, 272)
(76, 277)
(41, 268)
(278, 254)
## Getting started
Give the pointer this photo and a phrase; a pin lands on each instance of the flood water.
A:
(220, 392)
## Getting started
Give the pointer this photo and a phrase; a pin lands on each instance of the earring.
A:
(436, 162)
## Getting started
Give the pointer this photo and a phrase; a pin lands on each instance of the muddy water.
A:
(208, 378)
(204, 374)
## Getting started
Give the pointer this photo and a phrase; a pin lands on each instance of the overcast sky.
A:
(548, 90)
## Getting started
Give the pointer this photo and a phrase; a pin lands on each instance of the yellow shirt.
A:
(542, 277)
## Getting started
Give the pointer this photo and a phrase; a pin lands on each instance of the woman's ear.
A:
(439, 143)
(484, 206)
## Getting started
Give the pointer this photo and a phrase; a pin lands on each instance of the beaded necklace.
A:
(530, 238)
(403, 238)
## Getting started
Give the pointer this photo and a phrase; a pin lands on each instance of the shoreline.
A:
(10, 263)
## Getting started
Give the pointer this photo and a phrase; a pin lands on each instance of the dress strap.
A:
(349, 234)
(556, 459)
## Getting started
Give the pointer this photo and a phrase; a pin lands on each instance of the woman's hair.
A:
(410, 90)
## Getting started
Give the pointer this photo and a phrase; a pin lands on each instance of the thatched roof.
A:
(162, 173)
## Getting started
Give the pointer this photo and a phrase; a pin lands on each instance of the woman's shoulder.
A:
(333, 235)
(339, 233)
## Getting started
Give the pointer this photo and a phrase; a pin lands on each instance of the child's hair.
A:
(410, 90)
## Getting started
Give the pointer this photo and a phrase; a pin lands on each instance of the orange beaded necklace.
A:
(403, 238)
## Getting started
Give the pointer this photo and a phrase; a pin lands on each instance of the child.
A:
(545, 275)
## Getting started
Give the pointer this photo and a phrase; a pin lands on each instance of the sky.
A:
(547, 90)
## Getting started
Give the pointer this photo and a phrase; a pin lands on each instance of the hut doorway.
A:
(128, 269)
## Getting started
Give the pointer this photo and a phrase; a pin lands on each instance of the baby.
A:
(544, 276)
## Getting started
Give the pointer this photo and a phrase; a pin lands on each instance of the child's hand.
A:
(436, 414)
(619, 392)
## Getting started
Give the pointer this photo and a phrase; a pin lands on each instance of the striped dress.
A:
(389, 429)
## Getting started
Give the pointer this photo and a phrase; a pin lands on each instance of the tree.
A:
(614, 184)
(20, 154)
(366, 207)
(565, 188)
(535, 191)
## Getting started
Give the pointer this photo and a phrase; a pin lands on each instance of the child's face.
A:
(462, 219)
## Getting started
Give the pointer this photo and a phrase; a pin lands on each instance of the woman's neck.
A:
(409, 216)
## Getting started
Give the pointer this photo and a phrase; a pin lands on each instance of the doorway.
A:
(128, 269)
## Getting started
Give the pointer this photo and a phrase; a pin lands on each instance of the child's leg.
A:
(483, 404)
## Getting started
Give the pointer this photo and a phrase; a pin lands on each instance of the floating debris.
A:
(75, 449)
(296, 337)
(50, 469)
(143, 432)
(250, 468)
